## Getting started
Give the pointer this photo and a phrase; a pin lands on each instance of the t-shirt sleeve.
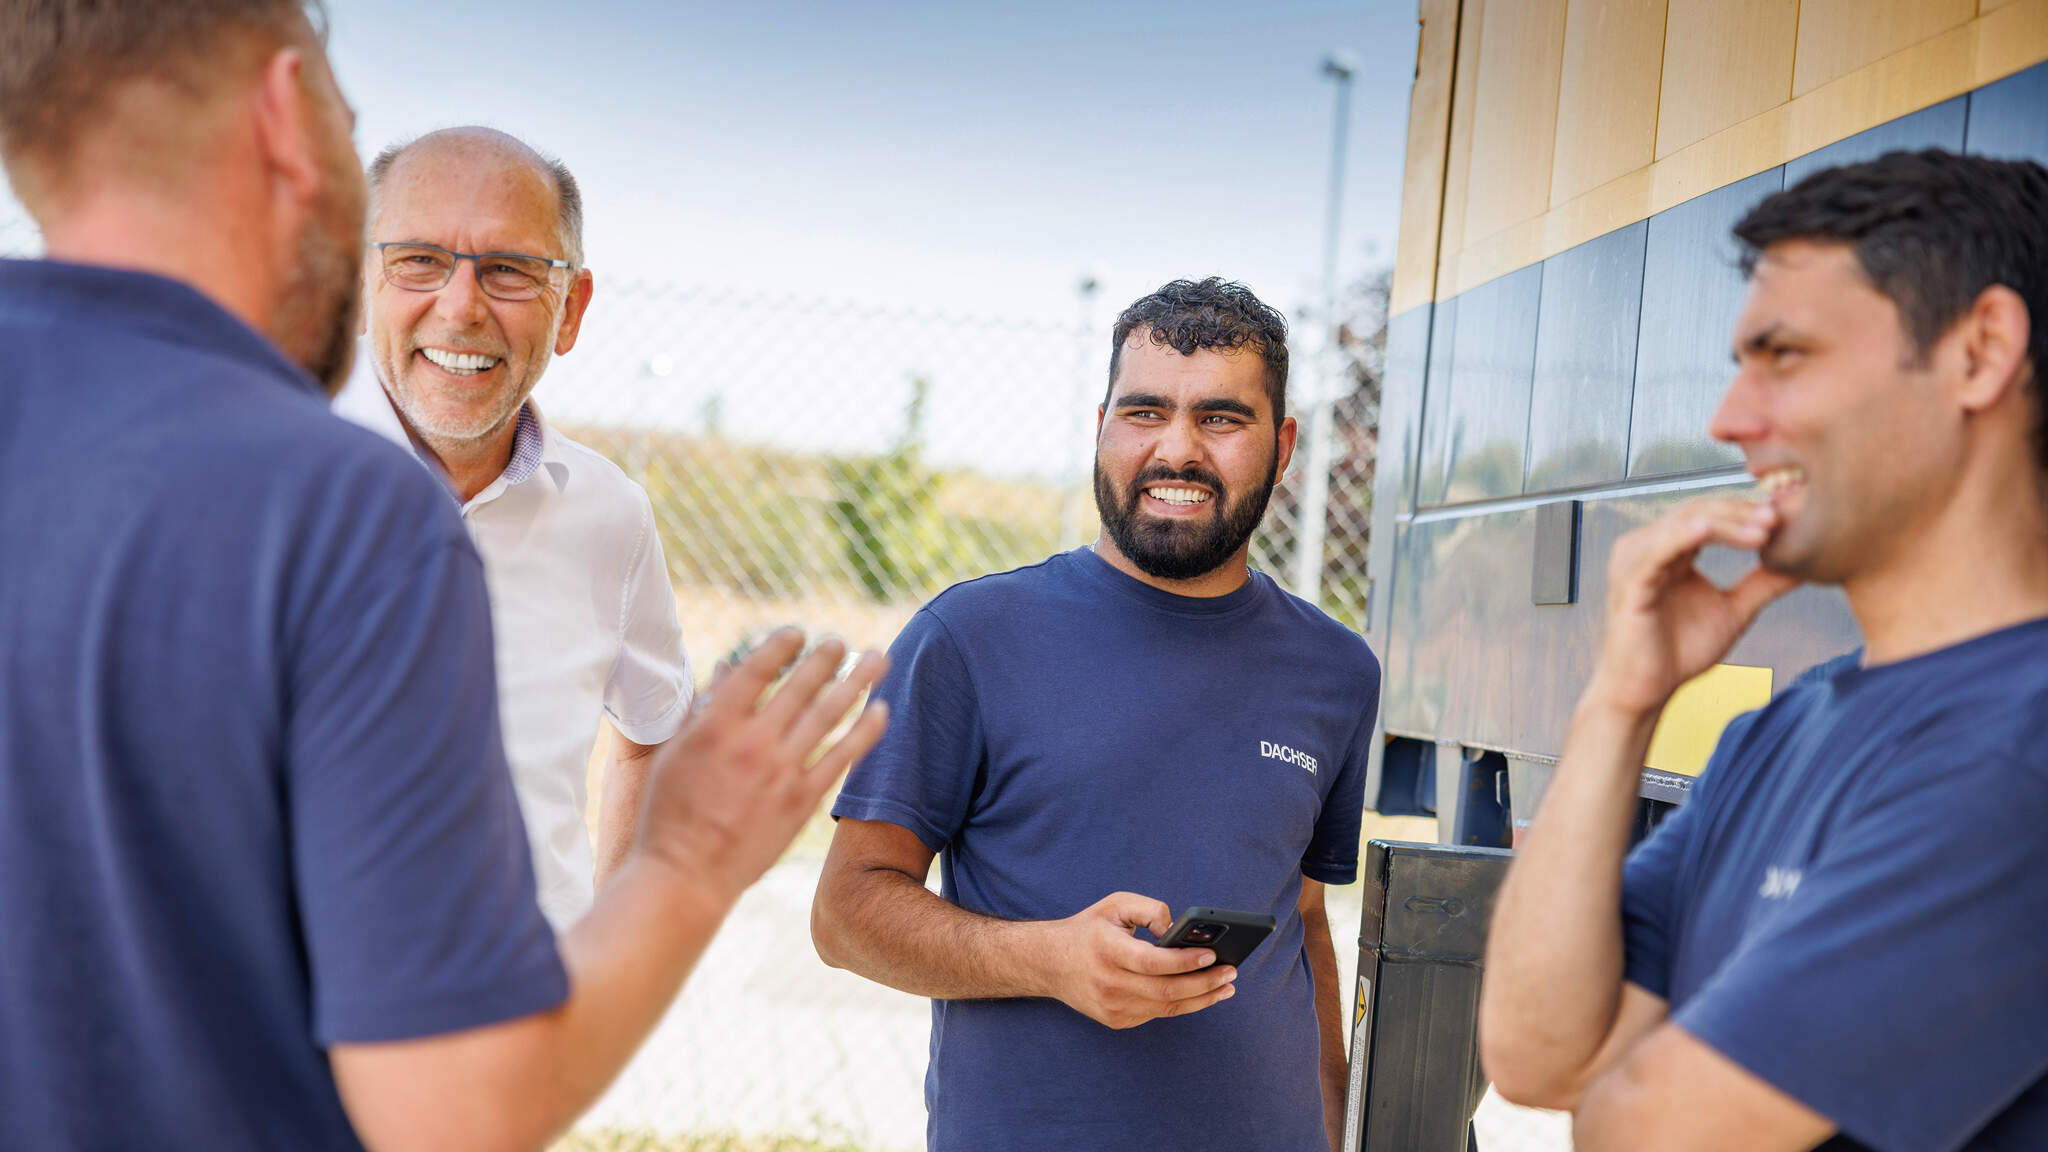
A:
(1332, 855)
(921, 776)
(649, 691)
(1897, 987)
(1651, 878)
(410, 862)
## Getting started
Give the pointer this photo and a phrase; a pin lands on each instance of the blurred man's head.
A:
(192, 110)
(1887, 353)
(1193, 430)
(459, 343)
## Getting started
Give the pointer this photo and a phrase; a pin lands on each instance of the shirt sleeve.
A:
(1332, 855)
(921, 776)
(1652, 877)
(649, 691)
(410, 861)
(1897, 988)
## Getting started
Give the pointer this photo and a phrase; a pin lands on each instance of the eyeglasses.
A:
(502, 275)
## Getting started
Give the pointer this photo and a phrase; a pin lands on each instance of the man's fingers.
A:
(798, 692)
(831, 706)
(740, 688)
(1130, 911)
(1153, 960)
(1668, 547)
(1189, 986)
(859, 739)
(1197, 1003)
(1758, 588)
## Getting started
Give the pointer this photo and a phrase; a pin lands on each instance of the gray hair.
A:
(568, 196)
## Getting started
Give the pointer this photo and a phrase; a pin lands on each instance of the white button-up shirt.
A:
(584, 620)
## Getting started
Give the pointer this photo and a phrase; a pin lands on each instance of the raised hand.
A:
(750, 766)
(1102, 971)
(1666, 622)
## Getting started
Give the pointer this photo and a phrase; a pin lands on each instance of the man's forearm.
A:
(887, 926)
(1334, 1065)
(620, 796)
(1554, 955)
(520, 1083)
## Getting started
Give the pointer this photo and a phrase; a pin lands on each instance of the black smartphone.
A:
(1231, 935)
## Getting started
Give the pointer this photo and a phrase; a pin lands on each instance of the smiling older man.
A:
(474, 280)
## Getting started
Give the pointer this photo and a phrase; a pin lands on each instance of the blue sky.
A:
(975, 157)
(966, 158)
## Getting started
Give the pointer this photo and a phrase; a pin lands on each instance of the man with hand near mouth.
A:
(1105, 738)
(474, 279)
(1836, 942)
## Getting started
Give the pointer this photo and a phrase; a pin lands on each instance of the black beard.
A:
(1173, 549)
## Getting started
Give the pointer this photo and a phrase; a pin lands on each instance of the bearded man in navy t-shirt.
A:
(1096, 741)
(1838, 940)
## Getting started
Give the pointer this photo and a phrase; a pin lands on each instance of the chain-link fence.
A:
(837, 464)
(834, 464)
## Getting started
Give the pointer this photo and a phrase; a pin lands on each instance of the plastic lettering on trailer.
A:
(1692, 721)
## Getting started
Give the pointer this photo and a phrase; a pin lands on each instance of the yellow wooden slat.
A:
(1514, 115)
(1458, 154)
(1699, 710)
(2008, 39)
(1836, 37)
(1607, 95)
(1724, 62)
(1422, 179)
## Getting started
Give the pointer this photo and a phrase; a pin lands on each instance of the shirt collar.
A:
(527, 447)
(165, 309)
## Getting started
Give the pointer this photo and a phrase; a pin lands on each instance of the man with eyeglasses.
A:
(474, 279)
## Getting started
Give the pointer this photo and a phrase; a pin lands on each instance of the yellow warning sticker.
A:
(1699, 710)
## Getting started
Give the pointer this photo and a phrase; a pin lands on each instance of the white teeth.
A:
(1780, 478)
(460, 363)
(1177, 495)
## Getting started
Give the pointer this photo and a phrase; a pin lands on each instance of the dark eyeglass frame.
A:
(476, 267)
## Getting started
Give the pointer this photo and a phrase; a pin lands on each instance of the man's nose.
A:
(1179, 443)
(1740, 416)
(462, 299)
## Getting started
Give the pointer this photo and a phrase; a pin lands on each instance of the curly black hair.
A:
(1213, 314)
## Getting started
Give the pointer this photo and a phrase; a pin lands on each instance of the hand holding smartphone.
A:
(1231, 935)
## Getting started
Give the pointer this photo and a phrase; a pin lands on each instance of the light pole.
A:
(1080, 486)
(1315, 495)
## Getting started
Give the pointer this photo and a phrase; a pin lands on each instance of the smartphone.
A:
(1231, 935)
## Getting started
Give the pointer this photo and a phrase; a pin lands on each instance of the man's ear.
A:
(1995, 334)
(580, 290)
(1288, 432)
(278, 106)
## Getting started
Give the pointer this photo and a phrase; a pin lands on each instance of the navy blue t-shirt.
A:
(252, 796)
(1854, 903)
(1065, 731)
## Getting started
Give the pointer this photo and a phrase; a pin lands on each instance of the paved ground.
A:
(767, 1039)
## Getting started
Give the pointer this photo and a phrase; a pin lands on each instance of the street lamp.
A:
(1315, 496)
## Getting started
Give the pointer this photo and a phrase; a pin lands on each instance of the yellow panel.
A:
(1724, 61)
(1988, 5)
(1836, 37)
(2005, 40)
(1699, 710)
(1607, 98)
(1422, 182)
(1514, 115)
(2008, 40)
(1458, 159)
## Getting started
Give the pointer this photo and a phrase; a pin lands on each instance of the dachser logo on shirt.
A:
(1294, 756)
